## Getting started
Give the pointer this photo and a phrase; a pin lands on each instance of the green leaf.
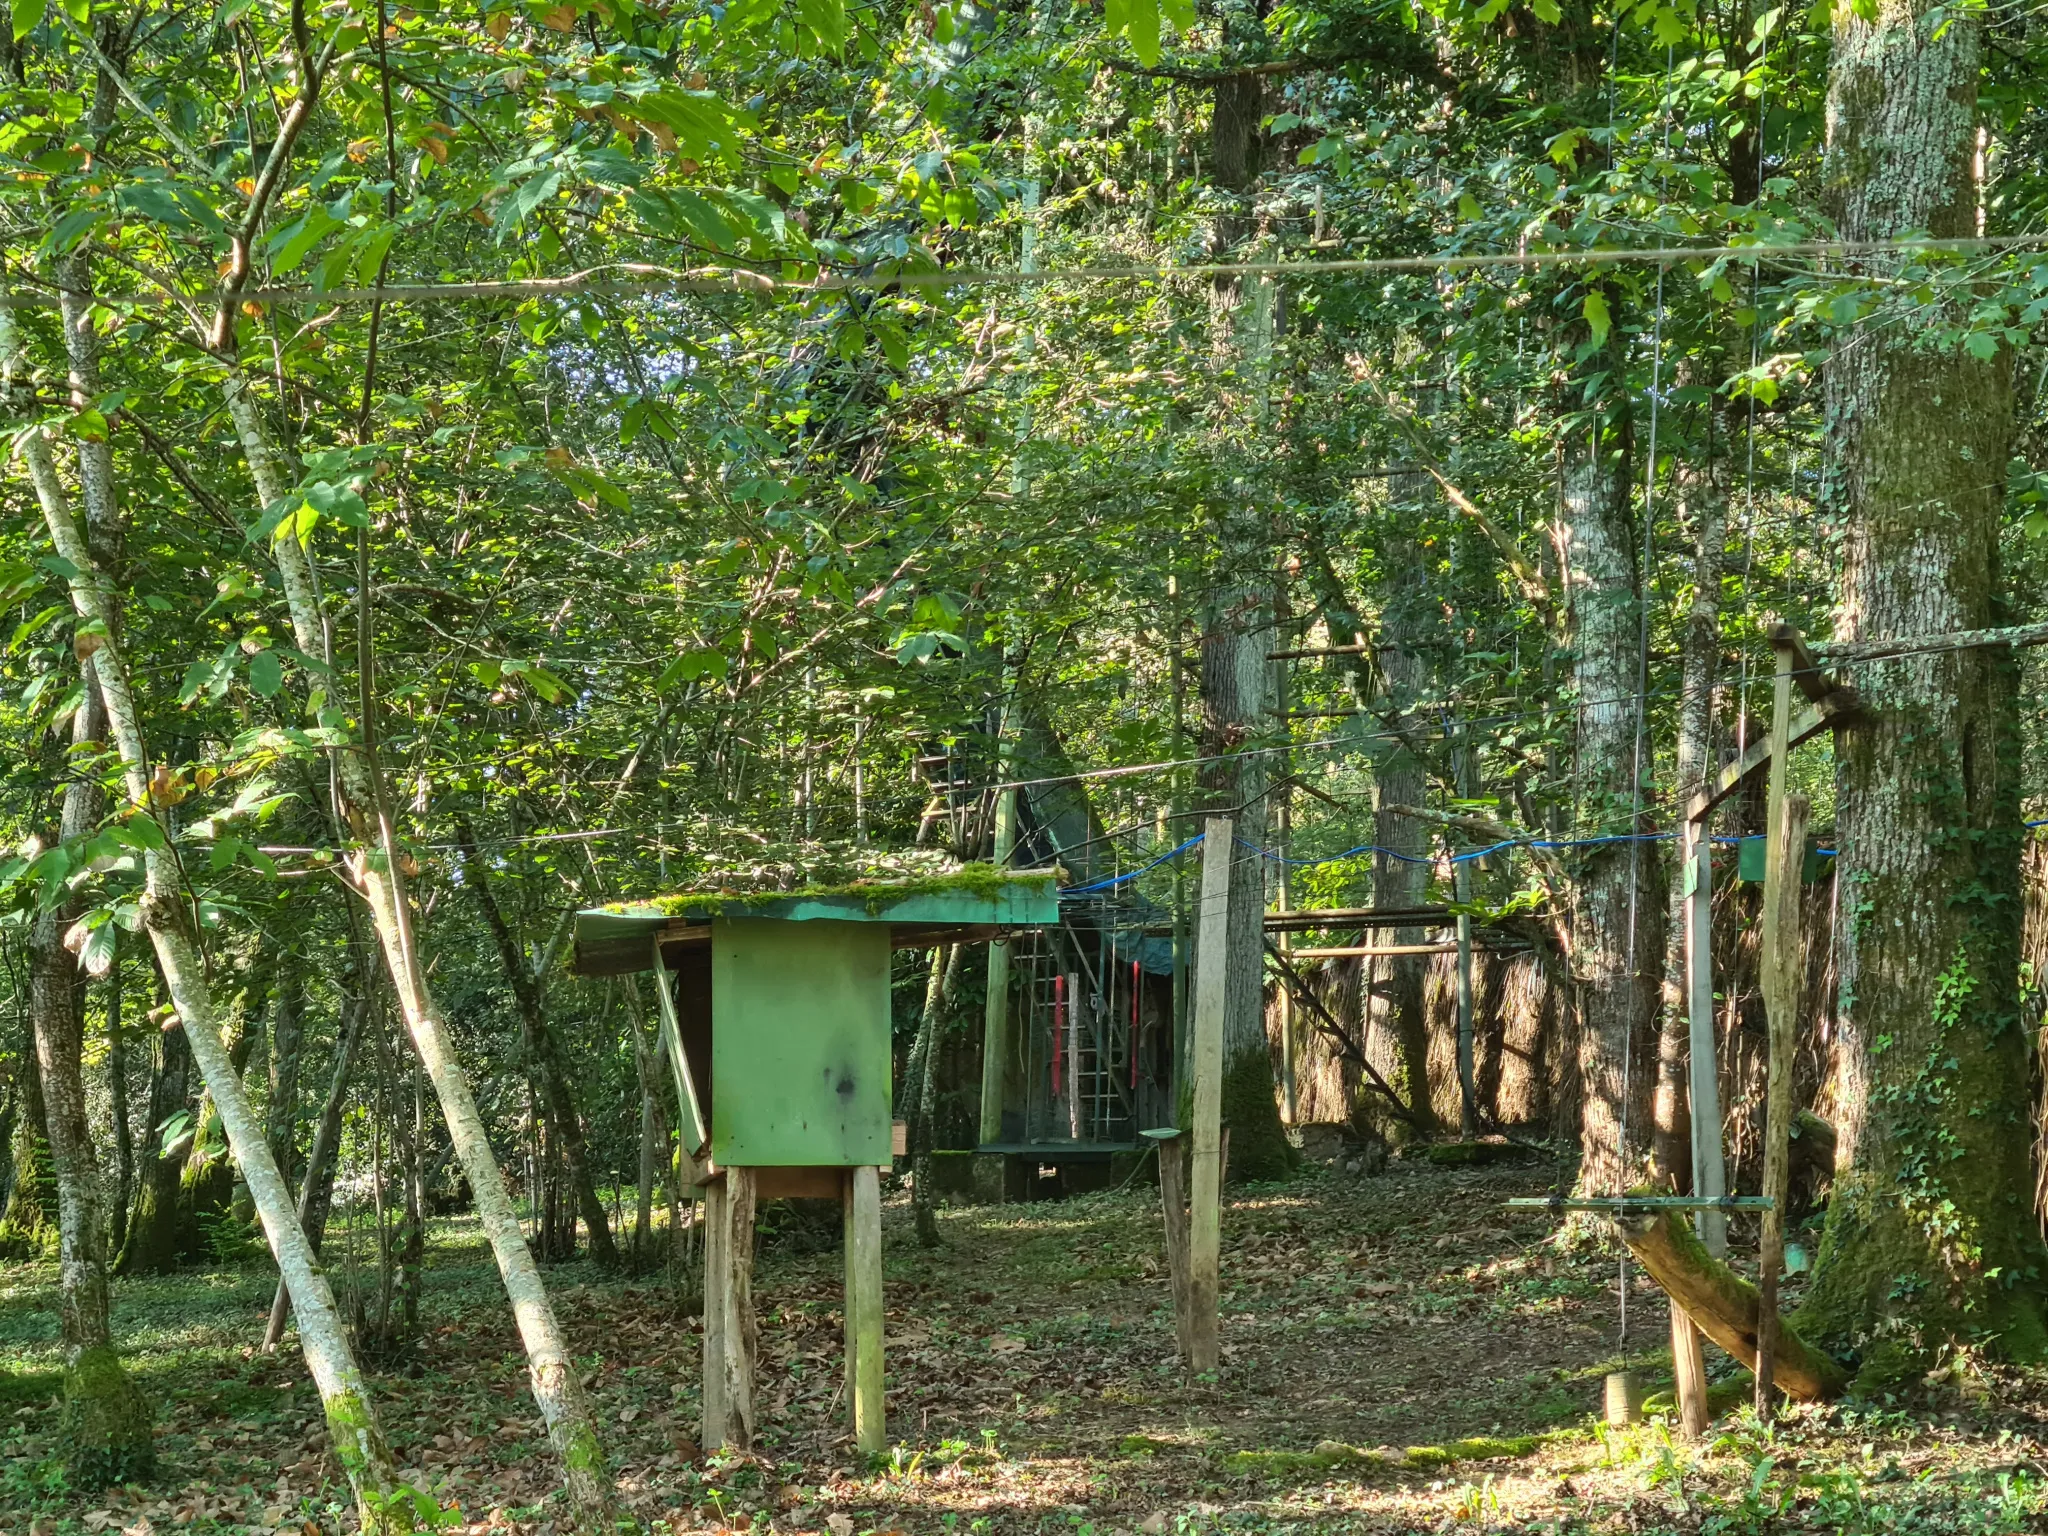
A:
(826, 19)
(1983, 345)
(266, 673)
(486, 672)
(28, 15)
(1597, 317)
(1138, 20)
(1547, 11)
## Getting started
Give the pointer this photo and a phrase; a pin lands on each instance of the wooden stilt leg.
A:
(1173, 1202)
(864, 1309)
(729, 1310)
(717, 1275)
(1689, 1374)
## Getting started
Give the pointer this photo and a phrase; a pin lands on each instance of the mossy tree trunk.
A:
(1930, 1233)
(1236, 634)
(150, 1246)
(106, 1423)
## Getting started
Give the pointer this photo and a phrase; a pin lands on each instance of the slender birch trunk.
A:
(358, 1441)
(558, 1391)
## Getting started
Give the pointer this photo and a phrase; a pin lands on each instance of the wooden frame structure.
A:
(775, 1021)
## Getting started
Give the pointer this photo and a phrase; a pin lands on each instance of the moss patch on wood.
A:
(984, 882)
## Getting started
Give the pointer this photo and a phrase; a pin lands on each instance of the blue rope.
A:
(1113, 881)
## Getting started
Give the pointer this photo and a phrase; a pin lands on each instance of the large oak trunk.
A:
(1930, 1235)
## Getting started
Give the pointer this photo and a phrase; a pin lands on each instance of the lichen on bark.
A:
(1931, 1242)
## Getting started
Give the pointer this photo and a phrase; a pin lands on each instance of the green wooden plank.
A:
(799, 1042)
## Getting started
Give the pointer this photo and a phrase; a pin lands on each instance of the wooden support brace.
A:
(1723, 1304)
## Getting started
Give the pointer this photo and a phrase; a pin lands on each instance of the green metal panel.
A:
(799, 1043)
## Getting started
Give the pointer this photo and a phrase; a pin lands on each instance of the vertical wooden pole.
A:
(1205, 1213)
(1173, 1203)
(1285, 942)
(1784, 854)
(995, 1026)
(1468, 1103)
(729, 1310)
(1070, 1083)
(863, 1307)
(1709, 1163)
(1689, 1374)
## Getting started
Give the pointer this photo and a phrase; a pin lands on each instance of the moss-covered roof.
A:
(929, 901)
(982, 882)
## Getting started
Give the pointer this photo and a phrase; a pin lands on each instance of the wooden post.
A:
(1205, 1213)
(1784, 856)
(1173, 1203)
(863, 1308)
(995, 1026)
(1283, 942)
(1070, 1083)
(729, 1310)
(1689, 1374)
(1709, 1163)
(1468, 1103)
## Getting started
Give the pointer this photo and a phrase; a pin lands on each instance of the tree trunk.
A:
(380, 875)
(151, 1242)
(1615, 948)
(31, 1192)
(1928, 1237)
(287, 1039)
(316, 1190)
(920, 1097)
(106, 1423)
(117, 1093)
(544, 1054)
(358, 1441)
(1700, 655)
(1725, 1306)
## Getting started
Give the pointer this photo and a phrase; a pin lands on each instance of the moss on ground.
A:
(1333, 1456)
(105, 1426)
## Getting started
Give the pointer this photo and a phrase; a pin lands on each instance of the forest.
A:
(1285, 621)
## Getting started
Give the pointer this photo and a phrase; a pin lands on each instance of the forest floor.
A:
(1401, 1354)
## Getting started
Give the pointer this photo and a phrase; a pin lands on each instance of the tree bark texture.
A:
(380, 875)
(106, 1423)
(352, 1425)
(1616, 959)
(1929, 1232)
